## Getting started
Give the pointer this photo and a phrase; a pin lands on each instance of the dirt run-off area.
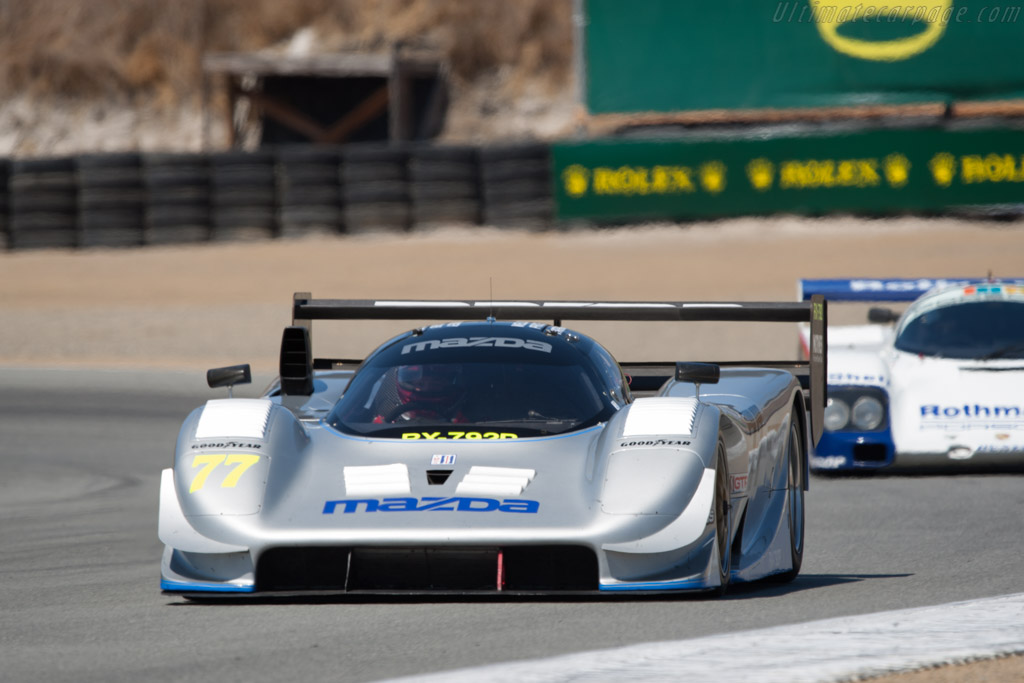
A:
(192, 307)
(224, 303)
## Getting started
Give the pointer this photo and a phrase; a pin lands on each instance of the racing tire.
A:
(794, 501)
(723, 520)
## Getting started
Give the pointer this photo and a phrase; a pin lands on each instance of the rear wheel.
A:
(722, 509)
(794, 501)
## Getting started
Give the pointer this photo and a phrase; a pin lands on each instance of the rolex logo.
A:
(943, 168)
(712, 176)
(926, 19)
(897, 170)
(576, 180)
(761, 173)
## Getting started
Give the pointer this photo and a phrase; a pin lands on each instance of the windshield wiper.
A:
(1002, 351)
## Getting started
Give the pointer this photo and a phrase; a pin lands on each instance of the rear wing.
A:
(306, 309)
(874, 289)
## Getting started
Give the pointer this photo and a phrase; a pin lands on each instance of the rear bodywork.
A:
(942, 408)
(275, 494)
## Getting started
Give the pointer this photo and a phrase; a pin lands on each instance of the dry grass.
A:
(149, 51)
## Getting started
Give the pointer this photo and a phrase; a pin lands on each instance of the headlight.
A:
(837, 414)
(867, 413)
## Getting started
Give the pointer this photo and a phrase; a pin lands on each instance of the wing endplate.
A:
(819, 365)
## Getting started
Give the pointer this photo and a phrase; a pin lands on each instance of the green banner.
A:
(673, 55)
(871, 171)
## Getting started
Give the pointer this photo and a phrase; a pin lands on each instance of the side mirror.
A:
(698, 373)
(229, 376)
(882, 315)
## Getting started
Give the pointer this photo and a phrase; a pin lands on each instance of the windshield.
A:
(475, 393)
(980, 330)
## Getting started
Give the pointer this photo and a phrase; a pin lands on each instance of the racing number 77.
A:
(241, 461)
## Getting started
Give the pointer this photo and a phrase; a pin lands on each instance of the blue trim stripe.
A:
(205, 587)
(685, 584)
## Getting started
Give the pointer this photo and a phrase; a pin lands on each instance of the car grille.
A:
(411, 569)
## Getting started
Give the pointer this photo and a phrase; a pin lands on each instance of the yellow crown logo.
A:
(712, 176)
(576, 180)
(943, 168)
(897, 170)
(830, 15)
(761, 173)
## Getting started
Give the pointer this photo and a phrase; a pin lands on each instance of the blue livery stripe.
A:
(685, 584)
(205, 587)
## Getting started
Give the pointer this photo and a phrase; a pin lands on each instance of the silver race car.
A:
(499, 452)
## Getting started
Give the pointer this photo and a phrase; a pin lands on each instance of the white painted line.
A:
(812, 652)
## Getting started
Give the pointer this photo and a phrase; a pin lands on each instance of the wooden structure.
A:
(331, 98)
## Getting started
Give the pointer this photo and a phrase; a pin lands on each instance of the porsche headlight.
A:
(856, 409)
(867, 413)
(837, 414)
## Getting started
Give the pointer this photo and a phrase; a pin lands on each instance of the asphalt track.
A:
(81, 452)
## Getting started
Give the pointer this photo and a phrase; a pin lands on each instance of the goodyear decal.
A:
(653, 442)
(431, 503)
(226, 444)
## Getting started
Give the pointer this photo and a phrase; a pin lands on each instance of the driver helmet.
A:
(436, 384)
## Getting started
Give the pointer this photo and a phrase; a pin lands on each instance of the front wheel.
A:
(794, 501)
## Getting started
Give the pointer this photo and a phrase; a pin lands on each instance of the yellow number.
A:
(241, 462)
(209, 462)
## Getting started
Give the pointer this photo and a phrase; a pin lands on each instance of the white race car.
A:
(940, 386)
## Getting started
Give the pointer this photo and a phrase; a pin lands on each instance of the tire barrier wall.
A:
(130, 199)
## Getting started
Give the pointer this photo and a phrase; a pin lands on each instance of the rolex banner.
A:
(871, 171)
(674, 55)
